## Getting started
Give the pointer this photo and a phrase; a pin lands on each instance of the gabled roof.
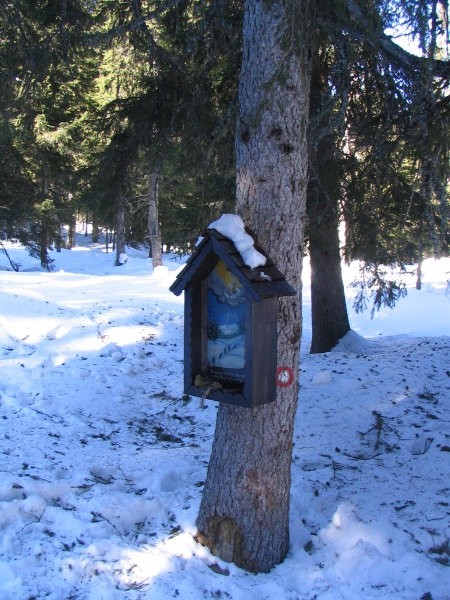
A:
(261, 282)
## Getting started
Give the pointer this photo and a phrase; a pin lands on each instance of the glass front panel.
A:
(226, 312)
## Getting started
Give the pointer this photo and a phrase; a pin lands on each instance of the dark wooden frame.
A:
(263, 286)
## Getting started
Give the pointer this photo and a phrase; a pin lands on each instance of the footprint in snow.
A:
(421, 445)
(113, 351)
(10, 346)
(58, 332)
(322, 378)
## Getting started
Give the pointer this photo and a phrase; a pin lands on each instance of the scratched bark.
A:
(244, 513)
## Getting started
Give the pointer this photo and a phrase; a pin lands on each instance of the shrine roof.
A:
(261, 282)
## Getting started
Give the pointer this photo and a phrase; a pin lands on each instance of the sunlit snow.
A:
(103, 459)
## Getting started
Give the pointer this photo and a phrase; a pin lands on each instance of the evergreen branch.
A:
(377, 39)
(13, 264)
(138, 23)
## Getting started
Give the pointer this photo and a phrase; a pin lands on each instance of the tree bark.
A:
(328, 305)
(244, 513)
(95, 230)
(154, 231)
(72, 232)
(120, 231)
(43, 245)
(58, 238)
(419, 265)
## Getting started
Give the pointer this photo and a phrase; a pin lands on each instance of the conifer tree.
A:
(370, 134)
(244, 513)
(43, 76)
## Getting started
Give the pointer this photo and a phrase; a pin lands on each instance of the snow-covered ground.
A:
(102, 458)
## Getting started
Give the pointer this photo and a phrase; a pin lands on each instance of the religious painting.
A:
(226, 317)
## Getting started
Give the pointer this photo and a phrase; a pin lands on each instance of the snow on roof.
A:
(232, 227)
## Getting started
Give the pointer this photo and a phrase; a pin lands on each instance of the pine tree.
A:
(43, 77)
(244, 513)
(370, 133)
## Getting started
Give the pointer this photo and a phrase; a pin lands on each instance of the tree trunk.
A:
(154, 231)
(72, 232)
(120, 231)
(95, 230)
(43, 246)
(44, 238)
(244, 513)
(58, 239)
(419, 265)
(328, 305)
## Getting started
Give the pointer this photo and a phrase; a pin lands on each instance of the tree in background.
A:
(80, 78)
(330, 319)
(397, 144)
(369, 126)
(46, 77)
(173, 101)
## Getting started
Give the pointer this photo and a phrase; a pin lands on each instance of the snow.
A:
(232, 227)
(103, 458)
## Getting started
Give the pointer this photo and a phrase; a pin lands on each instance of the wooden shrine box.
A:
(230, 323)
